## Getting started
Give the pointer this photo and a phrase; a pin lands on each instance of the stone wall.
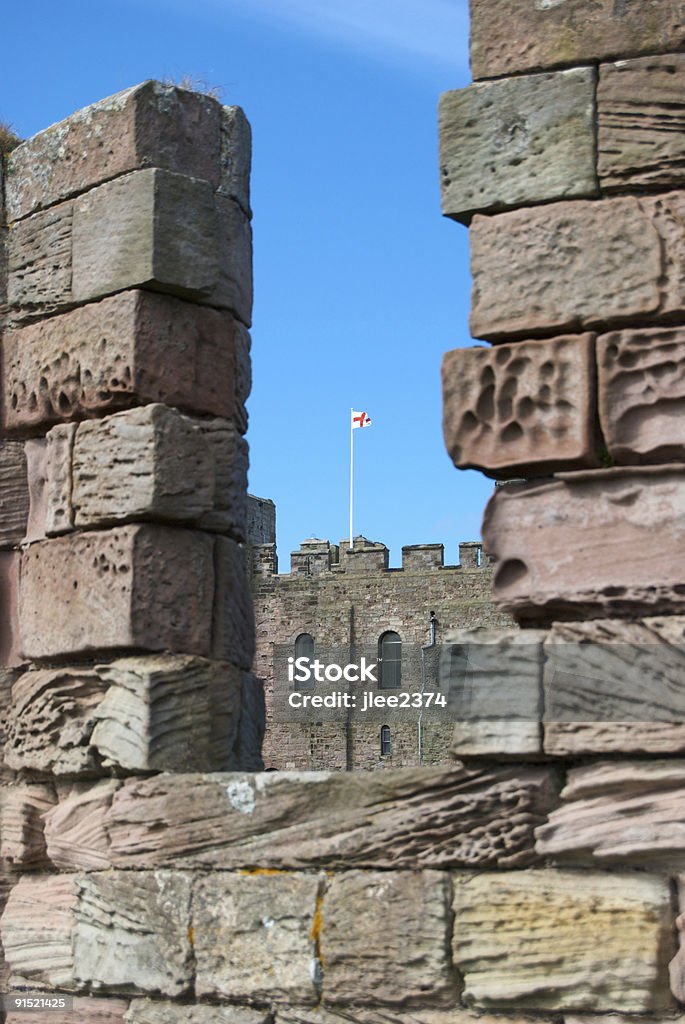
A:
(347, 599)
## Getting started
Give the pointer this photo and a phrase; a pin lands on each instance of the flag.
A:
(360, 419)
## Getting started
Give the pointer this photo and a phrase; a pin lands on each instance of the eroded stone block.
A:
(74, 829)
(557, 940)
(517, 141)
(22, 810)
(521, 410)
(574, 266)
(14, 493)
(641, 385)
(59, 479)
(129, 349)
(641, 112)
(236, 149)
(228, 472)
(145, 587)
(39, 261)
(384, 939)
(520, 36)
(626, 529)
(36, 928)
(255, 937)
(150, 125)
(147, 1011)
(415, 1015)
(9, 619)
(614, 686)
(233, 628)
(613, 812)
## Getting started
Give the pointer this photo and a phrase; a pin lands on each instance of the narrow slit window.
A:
(304, 648)
(386, 741)
(390, 661)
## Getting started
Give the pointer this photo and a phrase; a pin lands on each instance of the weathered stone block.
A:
(230, 460)
(420, 1015)
(74, 829)
(572, 266)
(256, 937)
(247, 756)
(39, 261)
(168, 714)
(145, 587)
(493, 682)
(85, 1010)
(446, 817)
(618, 812)
(36, 930)
(613, 686)
(557, 940)
(150, 125)
(519, 36)
(9, 621)
(384, 939)
(233, 628)
(521, 410)
(641, 385)
(164, 231)
(59, 479)
(22, 812)
(129, 349)
(624, 527)
(14, 493)
(236, 150)
(145, 463)
(641, 113)
(493, 136)
(147, 1011)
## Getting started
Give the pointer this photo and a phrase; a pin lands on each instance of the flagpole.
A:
(351, 476)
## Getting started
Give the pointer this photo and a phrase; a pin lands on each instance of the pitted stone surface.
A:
(255, 936)
(507, 37)
(59, 480)
(579, 265)
(233, 624)
(626, 529)
(626, 812)
(523, 409)
(228, 472)
(40, 261)
(641, 384)
(148, 587)
(544, 940)
(517, 141)
(614, 686)
(641, 120)
(129, 349)
(384, 939)
(150, 125)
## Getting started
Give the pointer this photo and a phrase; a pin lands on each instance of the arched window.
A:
(304, 648)
(390, 660)
(386, 741)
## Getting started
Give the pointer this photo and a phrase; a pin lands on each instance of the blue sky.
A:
(360, 284)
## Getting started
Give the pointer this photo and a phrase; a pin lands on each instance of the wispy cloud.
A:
(431, 30)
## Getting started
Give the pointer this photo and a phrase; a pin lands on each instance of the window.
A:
(390, 660)
(386, 741)
(304, 648)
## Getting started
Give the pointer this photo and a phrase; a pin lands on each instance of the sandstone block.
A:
(613, 686)
(420, 1015)
(256, 937)
(39, 261)
(145, 463)
(448, 817)
(519, 36)
(36, 451)
(641, 112)
(74, 828)
(145, 587)
(22, 813)
(36, 928)
(243, 375)
(557, 940)
(147, 1011)
(521, 410)
(14, 493)
(676, 968)
(9, 621)
(233, 627)
(168, 713)
(493, 136)
(618, 812)
(624, 527)
(85, 1010)
(384, 939)
(641, 384)
(163, 231)
(493, 681)
(150, 125)
(228, 472)
(130, 349)
(236, 149)
(574, 266)
(59, 479)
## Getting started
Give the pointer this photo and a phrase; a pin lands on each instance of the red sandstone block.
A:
(141, 587)
(517, 35)
(233, 628)
(9, 625)
(590, 544)
(521, 410)
(129, 349)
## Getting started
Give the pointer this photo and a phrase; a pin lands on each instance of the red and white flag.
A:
(360, 419)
